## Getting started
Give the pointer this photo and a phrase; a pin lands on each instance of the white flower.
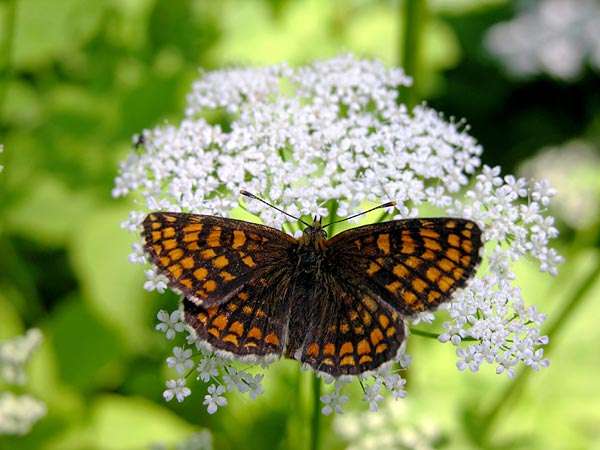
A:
(177, 389)
(155, 281)
(207, 369)
(373, 396)
(333, 402)
(553, 36)
(170, 324)
(19, 413)
(333, 133)
(214, 399)
(14, 354)
(180, 359)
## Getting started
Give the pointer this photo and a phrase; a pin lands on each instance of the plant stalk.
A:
(414, 15)
(315, 437)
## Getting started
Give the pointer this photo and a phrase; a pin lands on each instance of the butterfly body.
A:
(336, 304)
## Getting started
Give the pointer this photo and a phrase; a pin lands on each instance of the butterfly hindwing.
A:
(210, 258)
(413, 264)
(345, 330)
(253, 322)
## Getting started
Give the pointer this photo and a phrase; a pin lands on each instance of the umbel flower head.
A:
(331, 139)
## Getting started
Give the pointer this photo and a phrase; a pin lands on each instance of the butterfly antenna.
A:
(385, 205)
(252, 196)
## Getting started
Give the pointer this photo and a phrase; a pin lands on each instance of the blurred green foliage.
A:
(80, 77)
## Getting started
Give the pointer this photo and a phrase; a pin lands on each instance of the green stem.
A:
(315, 436)
(6, 46)
(429, 334)
(414, 13)
(490, 418)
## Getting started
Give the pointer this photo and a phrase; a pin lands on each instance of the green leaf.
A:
(87, 351)
(125, 423)
(113, 287)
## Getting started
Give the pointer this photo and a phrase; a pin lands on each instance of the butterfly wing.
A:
(253, 322)
(210, 259)
(343, 329)
(413, 264)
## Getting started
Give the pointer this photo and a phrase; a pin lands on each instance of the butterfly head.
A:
(314, 234)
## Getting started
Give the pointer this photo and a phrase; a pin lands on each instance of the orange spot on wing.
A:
(381, 348)
(220, 262)
(363, 347)
(168, 232)
(232, 339)
(170, 244)
(346, 348)
(176, 254)
(214, 237)
(419, 285)
(187, 262)
(200, 273)
(237, 328)
(190, 237)
(453, 254)
(312, 350)
(249, 261)
(210, 285)
(390, 331)
(376, 336)
(426, 233)
(192, 228)
(207, 254)
(176, 270)
(220, 322)
(226, 276)
(400, 271)
(383, 243)
(365, 359)
(186, 282)
(393, 287)
(383, 320)
(255, 333)
(272, 339)
(348, 361)
(432, 245)
(239, 239)
(329, 349)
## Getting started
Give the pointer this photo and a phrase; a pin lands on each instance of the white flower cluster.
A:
(553, 36)
(332, 136)
(395, 428)
(18, 413)
(574, 169)
(15, 353)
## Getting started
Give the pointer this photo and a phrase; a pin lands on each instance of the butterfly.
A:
(337, 304)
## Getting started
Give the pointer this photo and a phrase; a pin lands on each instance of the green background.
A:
(80, 77)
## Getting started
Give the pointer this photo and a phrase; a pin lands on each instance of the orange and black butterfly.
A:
(336, 304)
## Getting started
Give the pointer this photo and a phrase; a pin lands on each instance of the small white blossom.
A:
(373, 396)
(214, 399)
(14, 354)
(155, 281)
(207, 368)
(19, 413)
(170, 324)
(180, 360)
(177, 389)
(333, 402)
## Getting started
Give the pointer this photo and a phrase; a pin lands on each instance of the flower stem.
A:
(430, 335)
(315, 441)
(490, 418)
(414, 14)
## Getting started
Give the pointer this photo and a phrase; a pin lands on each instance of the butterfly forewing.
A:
(209, 259)
(413, 264)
